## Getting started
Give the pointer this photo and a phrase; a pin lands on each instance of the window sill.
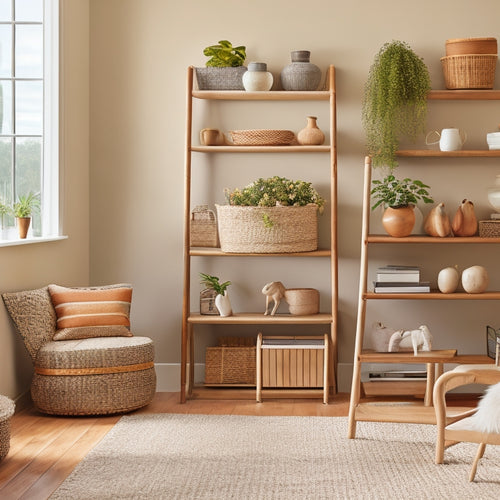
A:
(31, 240)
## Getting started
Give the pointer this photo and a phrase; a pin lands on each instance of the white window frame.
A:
(50, 200)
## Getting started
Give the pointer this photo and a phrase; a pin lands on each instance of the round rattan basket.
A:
(471, 71)
(289, 229)
(302, 301)
(7, 408)
(262, 137)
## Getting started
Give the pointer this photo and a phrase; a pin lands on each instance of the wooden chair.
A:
(453, 427)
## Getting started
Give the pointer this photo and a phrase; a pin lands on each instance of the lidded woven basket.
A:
(289, 229)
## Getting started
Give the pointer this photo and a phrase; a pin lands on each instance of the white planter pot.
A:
(223, 304)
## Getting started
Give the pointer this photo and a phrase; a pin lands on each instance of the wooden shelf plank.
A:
(463, 153)
(261, 149)
(217, 252)
(273, 95)
(437, 356)
(384, 238)
(260, 319)
(469, 95)
(433, 296)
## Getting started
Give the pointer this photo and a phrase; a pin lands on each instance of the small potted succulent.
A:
(221, 298)
(273, 215)
(224, 69)
(399, 197)
(23, 209)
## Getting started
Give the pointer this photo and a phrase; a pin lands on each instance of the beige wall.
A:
(139, 52)
(66, 262)
(139, 55)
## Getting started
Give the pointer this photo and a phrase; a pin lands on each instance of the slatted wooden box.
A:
(292, 362)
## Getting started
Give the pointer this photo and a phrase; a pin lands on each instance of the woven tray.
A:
(242, 229)
(472, 71)
(262, 137)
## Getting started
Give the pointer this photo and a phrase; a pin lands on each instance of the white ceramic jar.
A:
(257, 78)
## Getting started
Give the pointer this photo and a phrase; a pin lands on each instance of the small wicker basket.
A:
(7, 408)
(203, 227)
(469, 71)
(262, 137)
(489, 228)
(290, 229)
(232, 362)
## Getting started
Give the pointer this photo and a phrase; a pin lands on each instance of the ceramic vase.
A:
(223, 304)
(399, 222)
(300, 74)
(257, 78)
(311, 135)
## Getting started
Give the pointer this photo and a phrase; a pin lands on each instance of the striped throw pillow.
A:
(91, 312)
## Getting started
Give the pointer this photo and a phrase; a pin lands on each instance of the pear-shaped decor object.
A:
(311, 135)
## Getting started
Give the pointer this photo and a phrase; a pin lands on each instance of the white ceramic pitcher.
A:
(450, 139)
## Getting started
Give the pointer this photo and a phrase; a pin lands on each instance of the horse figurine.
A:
(419, 338)
(274, 291)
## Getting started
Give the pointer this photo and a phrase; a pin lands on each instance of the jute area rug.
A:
(171, 456)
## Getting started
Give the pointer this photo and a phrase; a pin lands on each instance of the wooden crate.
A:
(292, 362)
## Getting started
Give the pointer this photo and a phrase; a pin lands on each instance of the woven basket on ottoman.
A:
(289, 229)
(7, 408)
(87, 376)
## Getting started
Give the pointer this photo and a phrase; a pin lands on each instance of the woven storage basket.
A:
(262, 137)
(7, 408)
(214, 78)
(233, 361)
(203, 227)
(489, 228)
(242, 229)
(472, 71)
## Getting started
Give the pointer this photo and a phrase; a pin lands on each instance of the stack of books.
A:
(400, 279)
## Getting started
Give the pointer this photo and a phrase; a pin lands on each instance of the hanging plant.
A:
(394, 101)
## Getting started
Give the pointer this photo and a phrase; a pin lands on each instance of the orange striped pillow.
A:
(91, 312)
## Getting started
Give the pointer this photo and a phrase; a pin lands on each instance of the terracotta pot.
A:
(399, 222)
(311, 134)
(23, 224)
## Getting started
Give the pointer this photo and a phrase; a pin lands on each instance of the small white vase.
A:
(257, 78)
(223, 304)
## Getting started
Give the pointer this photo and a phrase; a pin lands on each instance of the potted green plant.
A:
(221, 298)
(270, 215)
(394, 101)
(224, 69)
(399, 197)
(23, 209)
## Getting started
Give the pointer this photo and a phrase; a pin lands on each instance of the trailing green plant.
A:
(224, 55)
(275, 191)
(26, 205)
(394, 101)
(212, 282)
(397, 193)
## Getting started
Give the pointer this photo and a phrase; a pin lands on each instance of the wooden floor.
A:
(45, 449)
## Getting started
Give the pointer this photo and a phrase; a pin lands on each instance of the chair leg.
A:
(479, 454)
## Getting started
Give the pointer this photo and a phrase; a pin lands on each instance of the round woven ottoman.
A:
(95, 376)
(7, 408)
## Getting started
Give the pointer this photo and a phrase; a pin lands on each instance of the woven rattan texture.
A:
(262, 137)
(34, 317)
(230, 365)
(96, 352)
(489, 228)
(7, 408)
(93, 394)
(473, 71)
(293, 229)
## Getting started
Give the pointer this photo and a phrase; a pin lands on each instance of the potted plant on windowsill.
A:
(222, 298)
(394, 101)
(224, 69)
(273, 215)
(399, 197)
(22, 210)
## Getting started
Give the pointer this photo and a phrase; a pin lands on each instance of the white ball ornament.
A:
(475, 279)
(448, 279)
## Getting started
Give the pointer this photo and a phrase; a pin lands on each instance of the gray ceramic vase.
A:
(300, 74)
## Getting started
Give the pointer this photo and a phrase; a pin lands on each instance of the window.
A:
(29, 152)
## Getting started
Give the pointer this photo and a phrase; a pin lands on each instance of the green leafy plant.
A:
(224, 55)
(213, 283)
(4, 210)
(26, 205)
(395, 193)
(394, 101)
